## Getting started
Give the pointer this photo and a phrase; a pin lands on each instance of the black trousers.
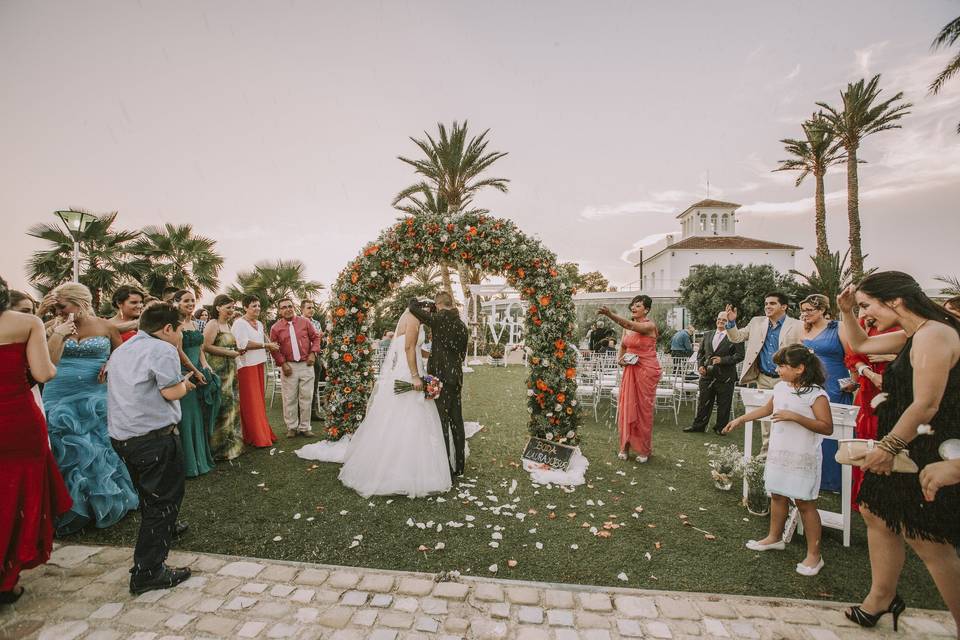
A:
(713, 392)
(451, 417)
(156, 468)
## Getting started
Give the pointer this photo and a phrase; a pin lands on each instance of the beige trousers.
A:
(297, 392)
(765, 382)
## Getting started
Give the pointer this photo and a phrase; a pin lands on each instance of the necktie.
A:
(293, 343)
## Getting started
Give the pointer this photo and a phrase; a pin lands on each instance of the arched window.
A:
(703, 222)
(713, 223)
(724, 224)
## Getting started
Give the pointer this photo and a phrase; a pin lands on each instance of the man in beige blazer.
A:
(764, 335)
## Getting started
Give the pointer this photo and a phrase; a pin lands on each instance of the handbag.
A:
(852, 451)
(630, 358)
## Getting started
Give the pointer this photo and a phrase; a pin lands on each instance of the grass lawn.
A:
(231, 513)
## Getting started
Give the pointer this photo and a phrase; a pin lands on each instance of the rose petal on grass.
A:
(492, 568)
(511, 563)
(622, 576)
(277, 538)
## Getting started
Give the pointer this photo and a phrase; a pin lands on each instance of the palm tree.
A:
(860, 117)
(450, 171)
(814, 155)
(106, 258)
(947, 37)
(270, 281)
(831, 275)
(178, 258)
(953, 285)
(425, 276)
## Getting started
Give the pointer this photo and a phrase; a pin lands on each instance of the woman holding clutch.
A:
(638, 388)
(923, 390)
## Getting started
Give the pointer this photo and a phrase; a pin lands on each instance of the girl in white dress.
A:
(801, 417)
(399, 448)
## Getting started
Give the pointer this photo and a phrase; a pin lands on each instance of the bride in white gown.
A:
(399, 448)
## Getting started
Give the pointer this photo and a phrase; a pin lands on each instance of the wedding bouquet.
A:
(431, 387)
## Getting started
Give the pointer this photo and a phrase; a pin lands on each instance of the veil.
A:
(394, 365)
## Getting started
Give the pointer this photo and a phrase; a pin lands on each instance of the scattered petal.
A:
(879, 399)
(439, 546)
(493, 568)
(511, 563)
(622, 576)
(296, 516)
(924, 430)
(277, 538)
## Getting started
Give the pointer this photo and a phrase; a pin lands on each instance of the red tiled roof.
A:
(706, 204)
(723, 243)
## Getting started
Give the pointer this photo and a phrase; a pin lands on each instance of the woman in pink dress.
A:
(641, 372)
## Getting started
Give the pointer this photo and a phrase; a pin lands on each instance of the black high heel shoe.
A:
(9, 597)
(864, 619)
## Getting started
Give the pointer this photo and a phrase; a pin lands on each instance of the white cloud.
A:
(793, 74)
(632, 255)
(625, 208)
(864, 57)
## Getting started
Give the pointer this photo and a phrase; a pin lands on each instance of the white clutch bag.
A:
(630, 358)
(852, 452)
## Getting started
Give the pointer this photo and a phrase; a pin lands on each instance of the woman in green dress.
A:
(199, 407)
(226, 438)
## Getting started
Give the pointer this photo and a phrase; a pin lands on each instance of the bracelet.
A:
(861, 368)
(892, 444)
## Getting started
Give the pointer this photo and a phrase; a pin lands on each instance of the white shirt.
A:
(718, 338)
(243, 333)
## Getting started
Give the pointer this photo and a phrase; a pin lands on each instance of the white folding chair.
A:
(273, 379)
(588, 392)
(667, 397)
(688, 390)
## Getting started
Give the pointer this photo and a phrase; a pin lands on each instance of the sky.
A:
(274, 128)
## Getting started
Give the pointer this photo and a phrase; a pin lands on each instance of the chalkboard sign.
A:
(556, 456)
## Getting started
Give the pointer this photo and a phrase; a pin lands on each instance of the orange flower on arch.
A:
(571, 373)
(340, 312)
(544, 301)
(348, 357)
(561, 397)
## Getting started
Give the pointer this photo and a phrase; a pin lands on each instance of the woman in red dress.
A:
(128, 301)
(251, 370)
(869, 370)
(638, 388)
(32, 492)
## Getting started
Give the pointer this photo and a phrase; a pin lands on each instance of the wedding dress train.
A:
(398, 448)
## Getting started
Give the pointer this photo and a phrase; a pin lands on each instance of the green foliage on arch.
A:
(497, 246)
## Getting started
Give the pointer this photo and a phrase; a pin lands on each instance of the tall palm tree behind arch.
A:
(860, 116)
(813, 155)
(451, 177)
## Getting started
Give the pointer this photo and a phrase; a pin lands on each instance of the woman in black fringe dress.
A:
(921, 410)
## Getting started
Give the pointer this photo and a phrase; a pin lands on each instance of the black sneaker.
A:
(164, 578)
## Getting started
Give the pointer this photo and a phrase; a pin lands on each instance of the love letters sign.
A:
(555, 456)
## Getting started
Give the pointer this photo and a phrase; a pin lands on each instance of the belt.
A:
(770, 375)
(156, 433)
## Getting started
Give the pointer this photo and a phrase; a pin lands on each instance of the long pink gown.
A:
(638, 391)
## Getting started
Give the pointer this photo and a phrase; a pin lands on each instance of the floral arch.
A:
(499, 248)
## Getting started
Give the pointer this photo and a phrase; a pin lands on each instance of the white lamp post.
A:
(76, 223)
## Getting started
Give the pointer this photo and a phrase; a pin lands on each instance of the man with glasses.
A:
(299, 345)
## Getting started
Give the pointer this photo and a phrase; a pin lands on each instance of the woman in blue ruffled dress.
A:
(75, 402)
(823, 337)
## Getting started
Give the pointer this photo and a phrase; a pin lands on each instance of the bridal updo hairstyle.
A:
(886, 286)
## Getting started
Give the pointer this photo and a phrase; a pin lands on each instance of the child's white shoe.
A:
(642, 459)
(779, 545)
(622, 455)
(804, 570)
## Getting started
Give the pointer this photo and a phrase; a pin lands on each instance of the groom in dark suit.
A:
(449, 348)
(717, 360)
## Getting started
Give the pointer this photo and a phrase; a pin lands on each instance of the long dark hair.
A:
(795, 355)
(888, 285)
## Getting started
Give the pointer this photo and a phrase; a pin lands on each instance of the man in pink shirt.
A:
(299, 345)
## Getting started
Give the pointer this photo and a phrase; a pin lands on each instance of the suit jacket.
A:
(449, 344)
(754, 333)
(730, 354)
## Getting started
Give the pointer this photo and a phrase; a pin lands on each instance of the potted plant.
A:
(496, 354)
(757, 500)
(725, 463)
